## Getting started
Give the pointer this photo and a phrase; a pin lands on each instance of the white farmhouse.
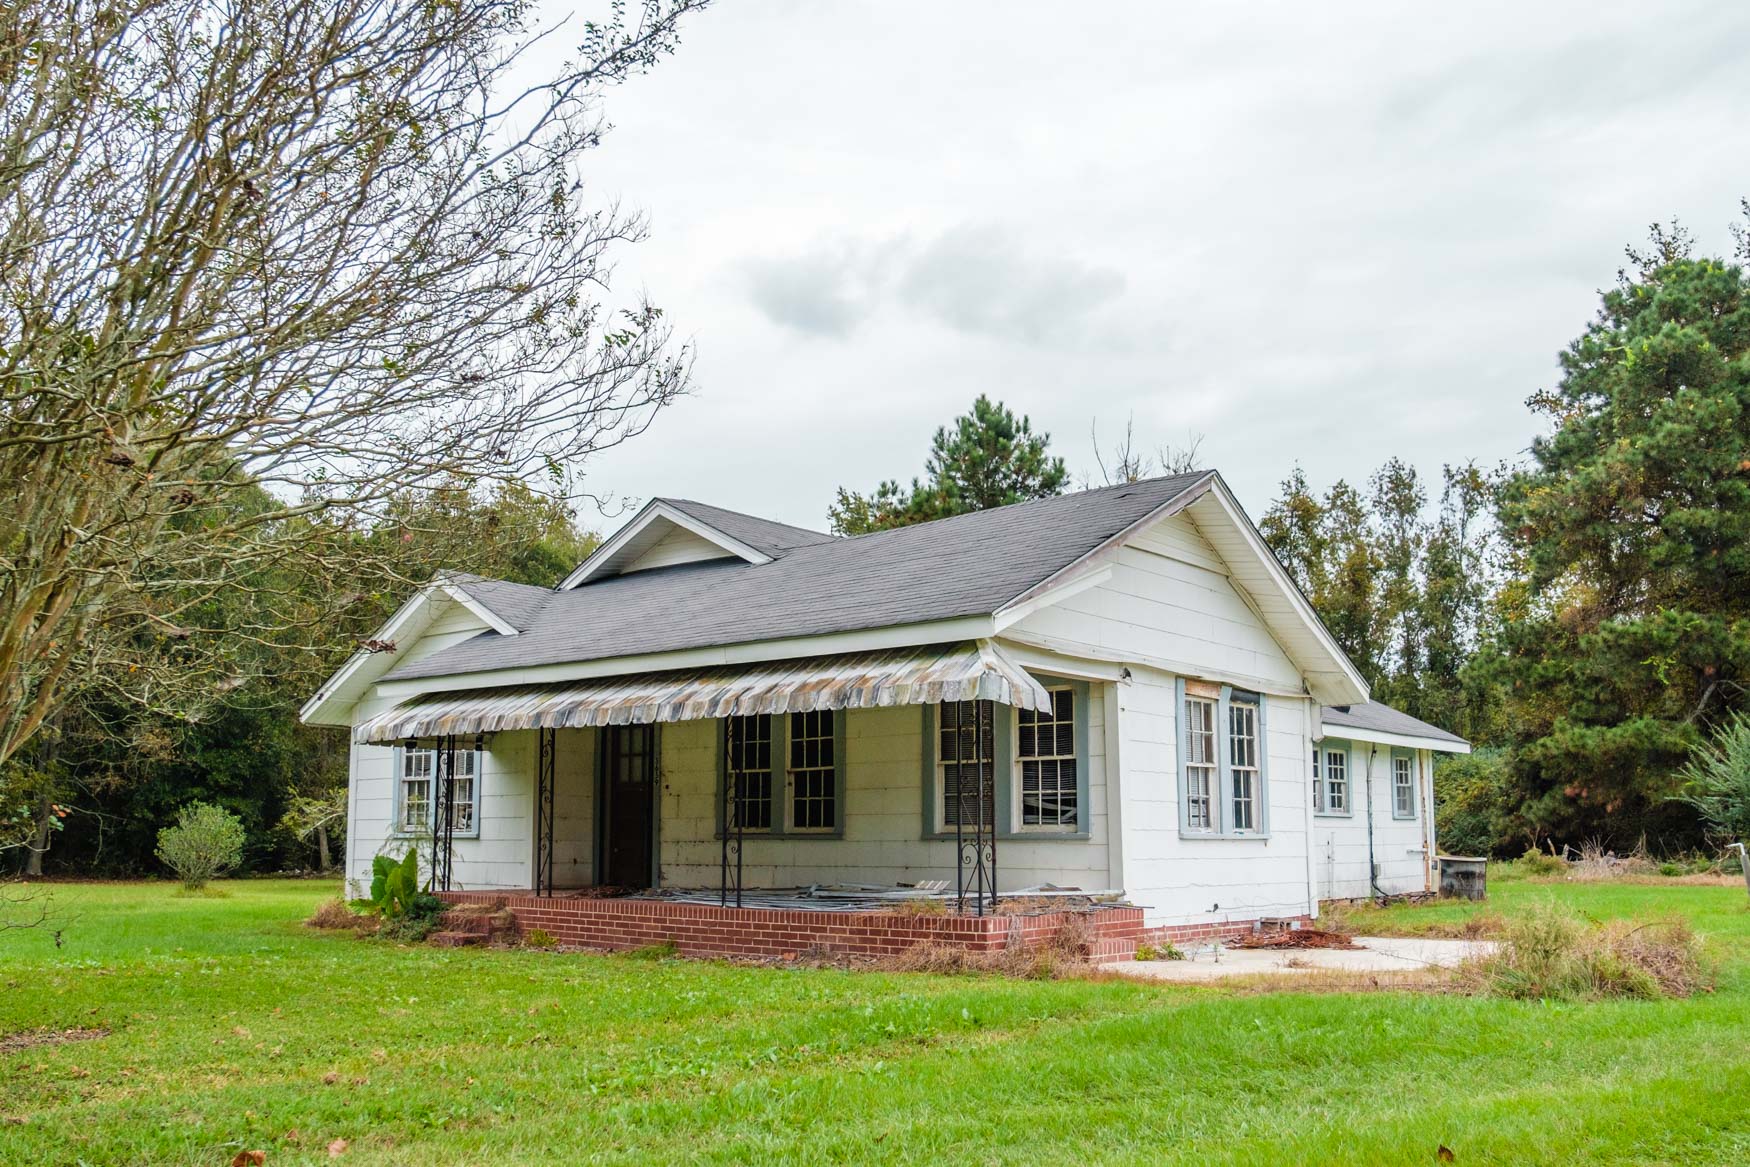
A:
(1118, 691)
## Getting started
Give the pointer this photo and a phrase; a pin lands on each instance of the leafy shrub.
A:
(204, 841)
(540, 938)
(1552, 954)
(1717, 780)
(1166, 951)
(414, 921)
(394, 885)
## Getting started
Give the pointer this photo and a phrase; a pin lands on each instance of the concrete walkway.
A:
(1371, 954)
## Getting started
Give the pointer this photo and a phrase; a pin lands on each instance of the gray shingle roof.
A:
(763, 535)
(1382, 718)
(515, 603)
(962, 566)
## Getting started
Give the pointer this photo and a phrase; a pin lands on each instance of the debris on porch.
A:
(872, 897)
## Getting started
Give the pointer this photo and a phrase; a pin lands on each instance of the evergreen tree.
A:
(1626, 632)
(988, 458)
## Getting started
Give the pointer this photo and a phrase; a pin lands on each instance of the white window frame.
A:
(1077, 779)
(1324, 776)
(1403, 785)
(1202, 785)
(834, 741)
(470, 766)
(1249, 779)
(774, 787)
(945, 825)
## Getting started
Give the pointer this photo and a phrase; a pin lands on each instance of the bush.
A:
(1717, 781)
(415, 920)
(204, 841)
(1538, 864)
(1472, 804)
(1552, 954)
(540, 938)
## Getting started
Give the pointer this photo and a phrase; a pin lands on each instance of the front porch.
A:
(790, 923)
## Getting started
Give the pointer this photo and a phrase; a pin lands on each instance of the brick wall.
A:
(708, 930)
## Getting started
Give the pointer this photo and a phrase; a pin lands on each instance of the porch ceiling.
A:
(971, 670)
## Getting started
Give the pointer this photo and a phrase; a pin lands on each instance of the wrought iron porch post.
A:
(443, 819)
(544, 774)
(959, 816)
(987, 797)
(731, 814)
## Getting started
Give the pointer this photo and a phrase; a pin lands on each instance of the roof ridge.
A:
(1040, 500)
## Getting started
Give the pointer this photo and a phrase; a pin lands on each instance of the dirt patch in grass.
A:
(13, 1043)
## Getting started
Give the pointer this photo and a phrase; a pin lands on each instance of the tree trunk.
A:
(322, 849)
(45, 816)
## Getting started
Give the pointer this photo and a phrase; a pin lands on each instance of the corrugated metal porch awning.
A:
(973, 670)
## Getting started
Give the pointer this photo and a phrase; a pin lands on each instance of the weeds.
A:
(333, 914)
(540, 938)
(1552, 954)
(663, 951)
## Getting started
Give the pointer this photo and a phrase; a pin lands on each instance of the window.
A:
(1318, 786)
(1224, 762)
(419, 766)
(1336, 782)
(1403, 787)
(1047, 756)
(1242, 737)
(965, 750)
(813, 772)
(1200, 764)
(748, 756)
(416, 776)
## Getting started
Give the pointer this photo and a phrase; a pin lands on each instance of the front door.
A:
(629, 806)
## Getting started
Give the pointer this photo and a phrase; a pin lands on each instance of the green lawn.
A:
(234, 1028)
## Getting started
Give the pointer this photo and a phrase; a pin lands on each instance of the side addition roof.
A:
(1370, 718)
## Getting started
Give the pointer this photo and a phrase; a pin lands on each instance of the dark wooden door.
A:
(629, 805)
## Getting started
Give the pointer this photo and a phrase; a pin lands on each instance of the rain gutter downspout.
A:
(1372, 867)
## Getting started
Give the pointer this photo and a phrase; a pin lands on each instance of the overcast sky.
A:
(1316, 233)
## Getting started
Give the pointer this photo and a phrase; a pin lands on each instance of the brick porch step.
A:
(454, 939)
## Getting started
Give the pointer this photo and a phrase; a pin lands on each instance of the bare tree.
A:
(267, 264)
(1130, 464)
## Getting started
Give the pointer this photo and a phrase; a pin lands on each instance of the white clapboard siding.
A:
(1340, 861)
(678, 546)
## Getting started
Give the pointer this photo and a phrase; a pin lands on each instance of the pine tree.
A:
(988, 458)
(1626, 634)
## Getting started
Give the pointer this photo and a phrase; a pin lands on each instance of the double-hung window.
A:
(1223, 780)
(1244, 787)
(1336, 782)
(418, 780)
(813, 771)
(1403, 786)
(1202, 766)
(747, 751)
(965, 752)
(1046, 753)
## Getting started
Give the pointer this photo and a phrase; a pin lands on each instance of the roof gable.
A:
(655, 524)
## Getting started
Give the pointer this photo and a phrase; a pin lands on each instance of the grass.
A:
(232, 1027)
